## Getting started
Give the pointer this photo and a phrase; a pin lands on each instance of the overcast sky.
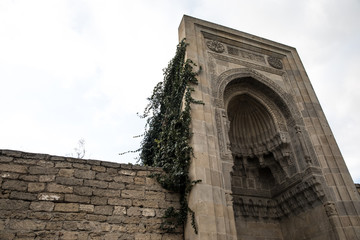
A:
(75, 69)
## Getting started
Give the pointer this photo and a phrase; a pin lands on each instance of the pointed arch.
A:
(255, 80)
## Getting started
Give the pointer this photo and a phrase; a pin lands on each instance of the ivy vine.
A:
(166, 141)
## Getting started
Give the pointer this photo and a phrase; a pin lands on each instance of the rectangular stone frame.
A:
(211, 199)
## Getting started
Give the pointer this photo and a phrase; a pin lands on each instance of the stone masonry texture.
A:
(51, 197)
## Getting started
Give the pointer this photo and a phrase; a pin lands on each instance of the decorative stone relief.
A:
(222, 125)
(215, 46)
(330, 209)
(247, 64)
(303, 145)
(246, 55)
(275, 62)
(295, 200)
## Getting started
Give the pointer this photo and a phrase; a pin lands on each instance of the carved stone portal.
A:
(269, 164)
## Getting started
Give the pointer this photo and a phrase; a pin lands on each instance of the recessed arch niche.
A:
(266, 146)
(256, 144)
(259, 139)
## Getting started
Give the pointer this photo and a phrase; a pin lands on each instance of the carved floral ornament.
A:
(215, 46)
(275, 62)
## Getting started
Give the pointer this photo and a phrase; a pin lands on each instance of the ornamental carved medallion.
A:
(275, 62)
(215, 46)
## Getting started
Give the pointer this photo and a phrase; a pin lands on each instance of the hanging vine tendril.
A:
(166, 141)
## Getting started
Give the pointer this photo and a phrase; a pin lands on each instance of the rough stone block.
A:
(134, 211)
(135, 228)
(13, 168)
(6, 235)
(66, 172)
(136, 187)
(85, 191)
(70, 226)
(95, 183)
(41, 170)
(53, 187)
(15, 185)
(104, 210)
(7, 204)
(46, 178)
(154, 195)
(81, 166)
(119, 228)
(27, 225)
(143, 173)
(42, 206)
(145, 203)
(118, 210)
(139, 180)
(63, 165)
(36, 187)
(98, 168)
(152, 184)
(147, 212)
(24, 161)
(124, 179)
(112, 171)
(98, 218)
(132, 194)
(54, 226)
(128, 166)
(74, 235)
(22, 195)
(84, 174)
(116, 185)
(143, 236)
(66, 207)
(127, 172)
(45, 163)
(39, 215)
(9, 175)
(6, 159)
(77, 198)
(29, 178)
(99, 200)
(68, 216)
(104, 177)
(86, 208)
(50, 197)
(106, 193)
(120, 201)
(69, 181)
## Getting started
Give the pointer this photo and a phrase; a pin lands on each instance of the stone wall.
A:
(51, 197)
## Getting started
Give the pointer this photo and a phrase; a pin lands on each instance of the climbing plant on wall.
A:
(166, 141)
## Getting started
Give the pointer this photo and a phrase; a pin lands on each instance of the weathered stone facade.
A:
(269, 164)
(51, 197)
